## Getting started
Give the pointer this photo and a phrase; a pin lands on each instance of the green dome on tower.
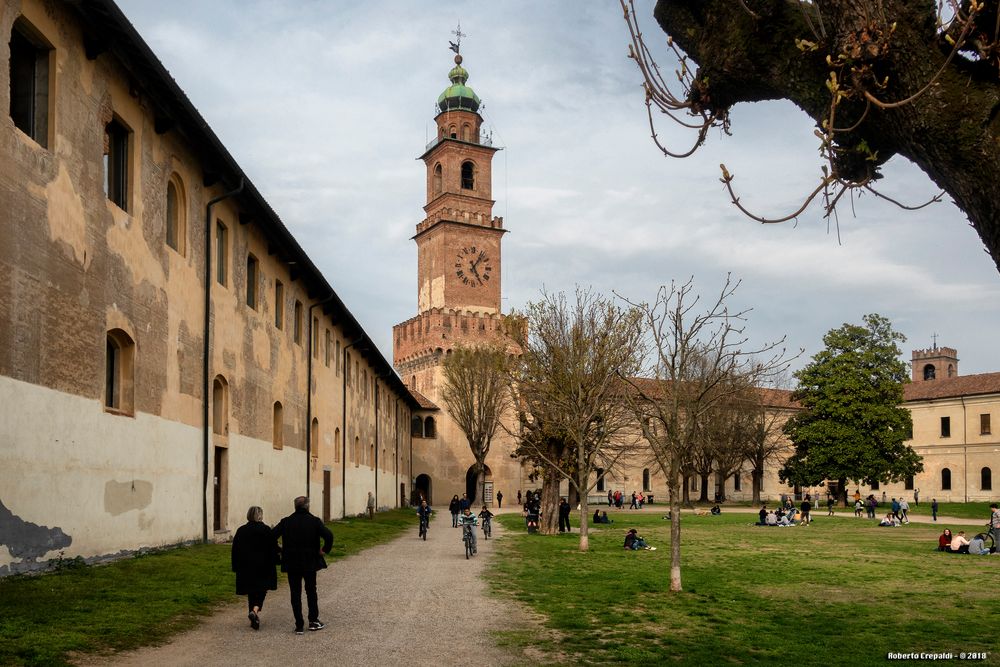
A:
(458, 95)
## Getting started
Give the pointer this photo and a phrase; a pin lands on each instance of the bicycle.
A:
(423, 528)
(487, 527)
(467, 529)
(989, 541)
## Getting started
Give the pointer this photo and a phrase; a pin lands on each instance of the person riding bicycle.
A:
(486, 516)
(467, 518)
(424, 512)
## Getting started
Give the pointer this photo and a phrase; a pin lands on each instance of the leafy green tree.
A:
(852, 425)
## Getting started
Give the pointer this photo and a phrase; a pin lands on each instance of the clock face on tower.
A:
(473, 266)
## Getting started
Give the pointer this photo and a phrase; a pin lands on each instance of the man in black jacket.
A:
(564, 509)
(302, 557)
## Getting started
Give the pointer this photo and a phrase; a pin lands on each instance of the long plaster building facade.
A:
(160, 328)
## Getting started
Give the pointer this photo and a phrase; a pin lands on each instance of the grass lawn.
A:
(141, 600)
(835, 592)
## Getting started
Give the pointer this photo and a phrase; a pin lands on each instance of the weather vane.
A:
(935, 337)
(457, 45)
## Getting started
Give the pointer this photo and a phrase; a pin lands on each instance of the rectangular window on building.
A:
(279, 305)
(326, 348)
(297, 323)
(252, 281)
(315, 338)
(984, 424)
(221, 252)
(29, 82)
(116, 163)
(347, 368)
(337, 360)
(875, 485)
(945, 427)
(908, 483)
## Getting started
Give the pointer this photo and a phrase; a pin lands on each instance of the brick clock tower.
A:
(458, 243)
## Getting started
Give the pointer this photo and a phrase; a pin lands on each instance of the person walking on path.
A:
(633, 506)
(371, 505)
(829, 506)
(895, 508)
(564, 516)
(254, 559)
(499, 500)
(453, 508)
(934, 509)
(302, 557)
(904, 510)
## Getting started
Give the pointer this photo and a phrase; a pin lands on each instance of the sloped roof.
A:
(772, 398)
(424, 402)
(963, 385)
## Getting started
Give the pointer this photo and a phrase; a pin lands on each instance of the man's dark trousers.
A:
(295, 581)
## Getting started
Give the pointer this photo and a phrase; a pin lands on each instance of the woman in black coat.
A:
(255, 553)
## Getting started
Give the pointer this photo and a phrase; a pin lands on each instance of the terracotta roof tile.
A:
(964, 385)
(425, 403)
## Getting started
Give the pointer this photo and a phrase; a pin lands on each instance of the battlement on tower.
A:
(934, 353)
(448, 214)
(438, 330)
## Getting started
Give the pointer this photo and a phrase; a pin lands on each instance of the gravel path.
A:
(407, 602)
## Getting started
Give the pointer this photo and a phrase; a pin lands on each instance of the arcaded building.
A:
(160, 328)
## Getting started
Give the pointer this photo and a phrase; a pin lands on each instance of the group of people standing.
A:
(256, 552)
(617, 499)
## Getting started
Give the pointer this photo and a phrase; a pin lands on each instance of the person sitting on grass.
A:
(944, 541)
(959, 545)
(772, 519)
(889, 521)
(604, 518)
(763, 515)
(633, 542)
(977, 547)
(597, 517)
(716, 511)
(788, 519)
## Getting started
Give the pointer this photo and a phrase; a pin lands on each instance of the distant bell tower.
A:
(935, 363)
(458, 241)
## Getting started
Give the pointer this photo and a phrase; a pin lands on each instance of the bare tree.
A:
(567, 383)
(694, 357)
(476, 393)
(768, 444)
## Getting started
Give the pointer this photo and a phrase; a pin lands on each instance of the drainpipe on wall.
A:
(965, 449)
(395, 451)
(343, 437)
(206, 351)
(309, 387)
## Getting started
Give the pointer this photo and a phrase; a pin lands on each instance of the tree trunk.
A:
(675, 525)
(584, 517)
(480, 484)
(720, 487)
(842, 490)
(703, 497)
(685, 491)
(756, 483)
(548, 519)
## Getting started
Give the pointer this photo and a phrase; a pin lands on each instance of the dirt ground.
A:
(407, 602)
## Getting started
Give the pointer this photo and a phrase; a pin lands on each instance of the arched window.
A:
(429, 428)
(945, 479)
(453, 132)
(278, 427)
(929, 372)
(468, 176)
(371, 456)
(382, 461)
(986, 479)
(417, 427)
(176, 215)
(220, 406)
(466, 132)
(600, 479)
(357, 451)
(436, 180)
(119, 371)
(951, 370)
(645, 479)
(336, 446)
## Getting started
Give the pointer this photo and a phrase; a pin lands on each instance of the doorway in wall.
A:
(221, 490)
(326, 494)
(470, 483)
(423, 487)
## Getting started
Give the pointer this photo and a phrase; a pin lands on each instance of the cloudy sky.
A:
(326, 104)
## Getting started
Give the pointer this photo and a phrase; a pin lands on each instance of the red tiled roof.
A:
(772, 398)
(964, 385)
(425, 403)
